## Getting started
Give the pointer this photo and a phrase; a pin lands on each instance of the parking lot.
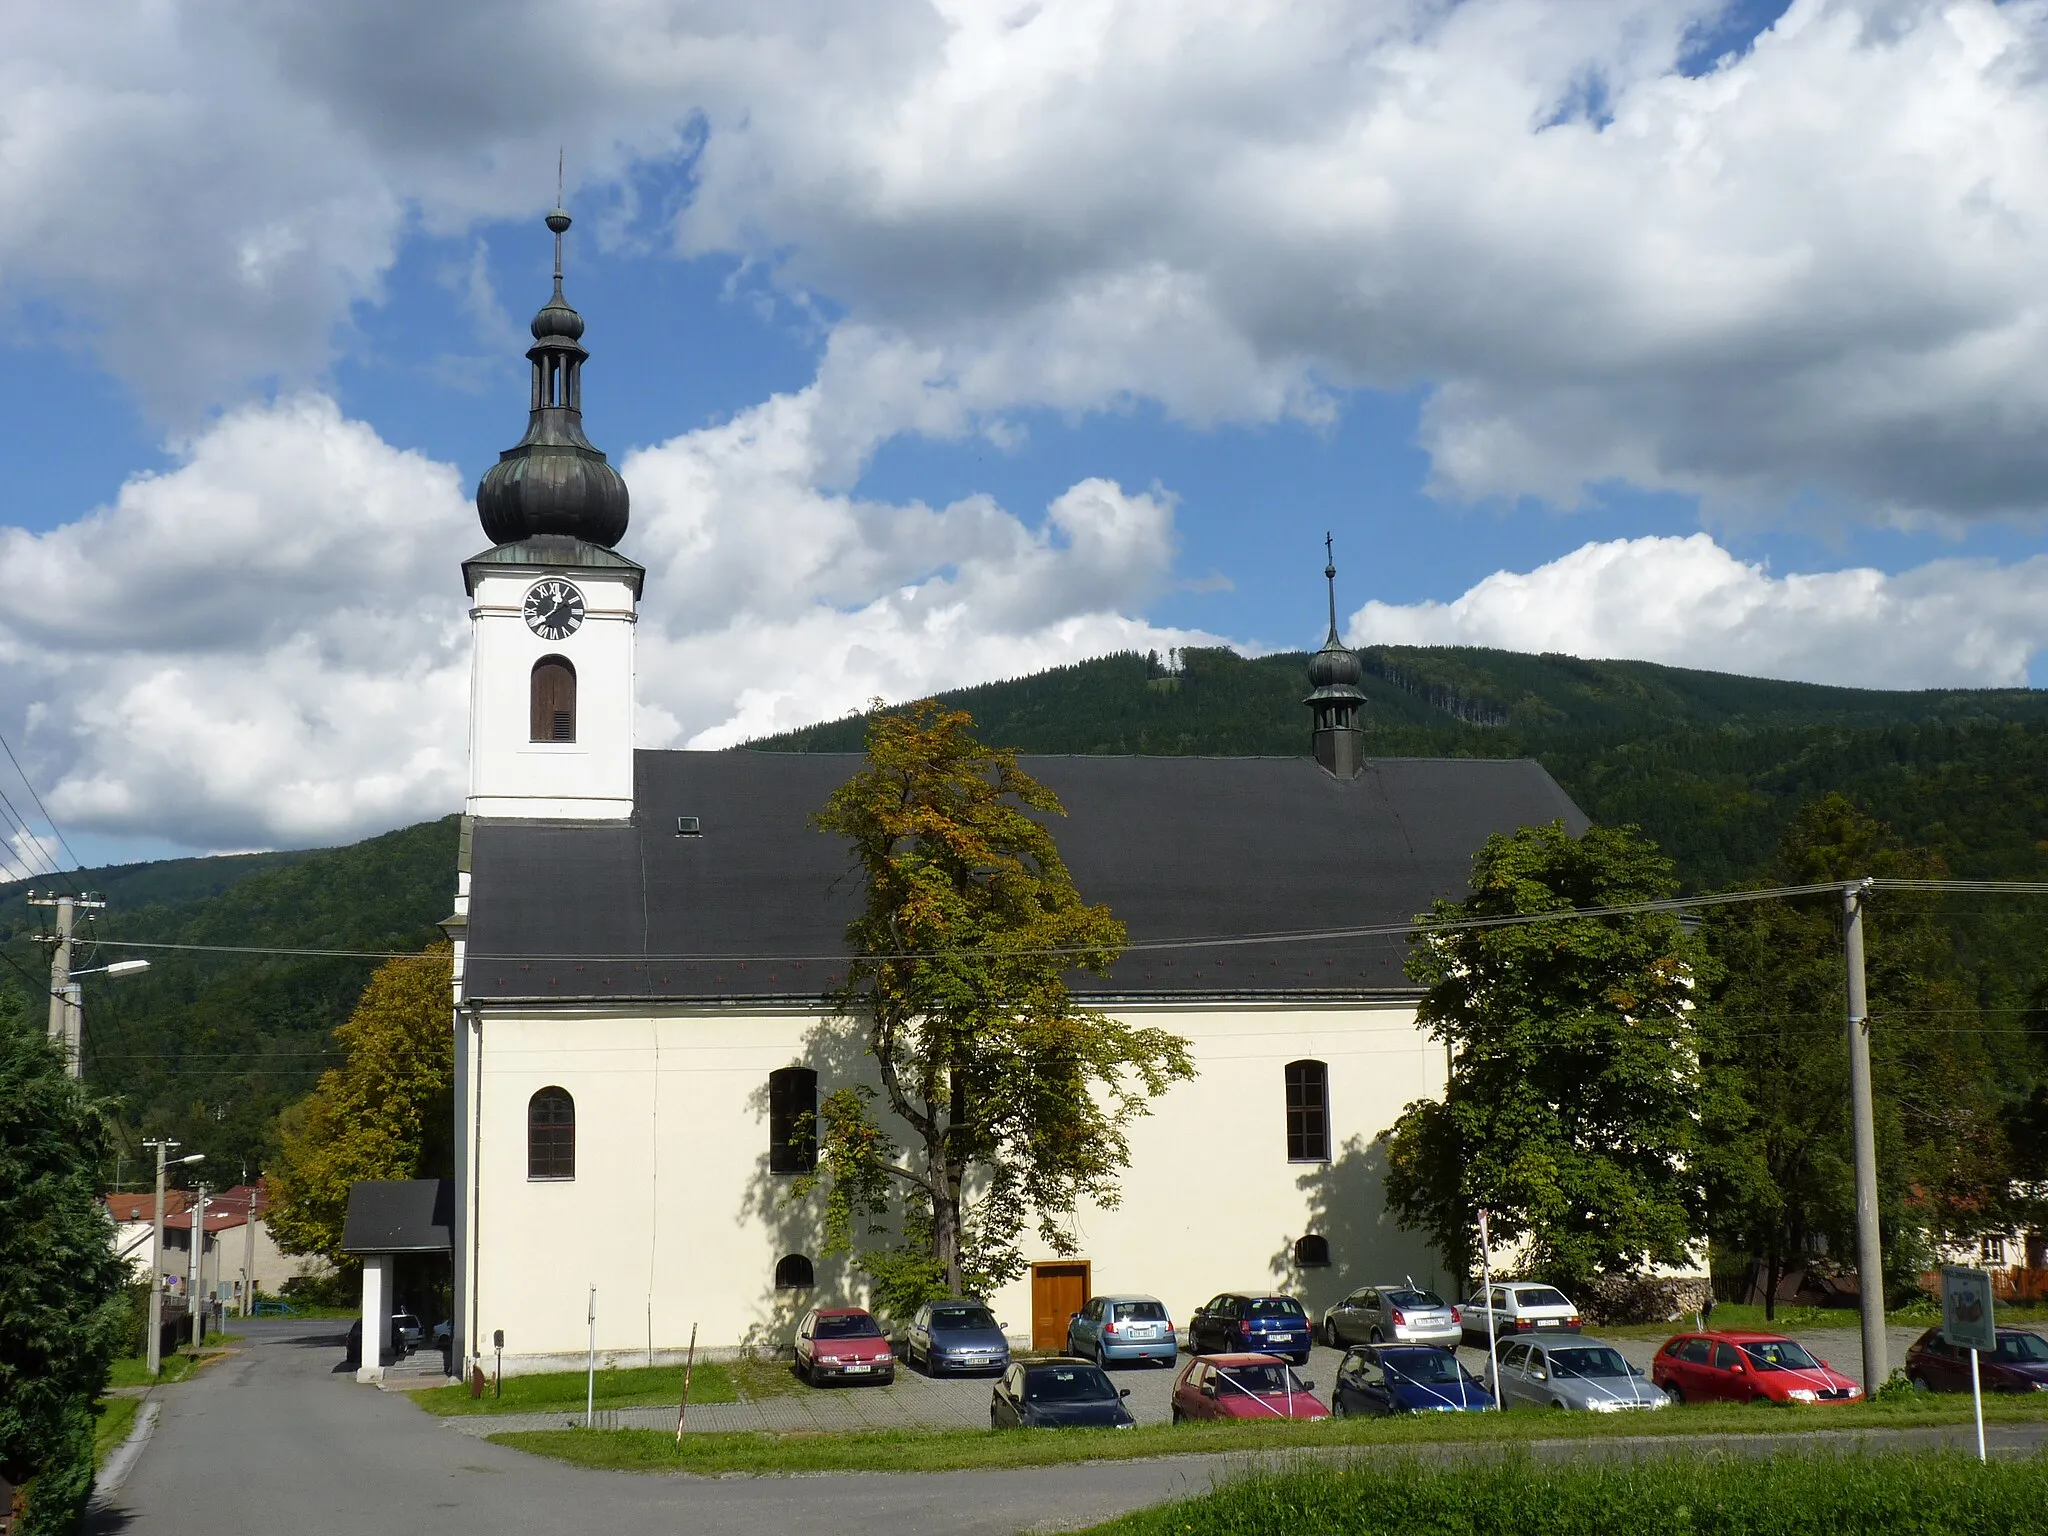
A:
(913, 1401)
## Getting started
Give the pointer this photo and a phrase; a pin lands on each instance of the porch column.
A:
(376, 1316)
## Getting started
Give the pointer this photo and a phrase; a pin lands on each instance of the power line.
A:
(62, 841)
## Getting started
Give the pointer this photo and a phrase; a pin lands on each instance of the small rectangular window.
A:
(1308, 1112)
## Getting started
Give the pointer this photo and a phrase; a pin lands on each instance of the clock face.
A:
(554, 609)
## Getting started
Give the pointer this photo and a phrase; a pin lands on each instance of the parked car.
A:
(1747, 1368)
(2019, 1364)
(1406, 1378)
(1058, 1394)
(1392, 1314)
(843, 1342)
(955, 1336)
(1572, 1373)
(1251, 1321)
(1112, 1328)
(1243, 1387)
(1517, 1307)
(406, 1332)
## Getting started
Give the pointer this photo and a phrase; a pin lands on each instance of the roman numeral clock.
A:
(554, 609)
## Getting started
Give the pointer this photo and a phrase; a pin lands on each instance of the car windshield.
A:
(1274, 1306)
(1589, 1362)
(1780, 1355)
(1540, 1296)
(1068, 1384)
(959, 1319)
(2030, 1347)
(1137, 1312)
(1432, 1369)
(1416, 1299)
(1255, 1380)
(841, 1326)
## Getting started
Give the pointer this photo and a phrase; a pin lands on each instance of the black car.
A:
(1251, 1322)
(1058, 1394)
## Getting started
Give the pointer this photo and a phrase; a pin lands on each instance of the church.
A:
(645, 942)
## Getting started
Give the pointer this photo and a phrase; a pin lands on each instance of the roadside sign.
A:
(1966, 1320)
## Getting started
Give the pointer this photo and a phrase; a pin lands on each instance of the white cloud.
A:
(1687, 602)
(268, 644)
(1808, 273)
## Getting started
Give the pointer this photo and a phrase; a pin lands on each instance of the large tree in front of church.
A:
(1003, 1101)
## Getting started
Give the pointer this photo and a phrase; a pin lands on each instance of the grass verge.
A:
(563, 1391)
(648, 1450)
(117, 1417)
(1928, 1494)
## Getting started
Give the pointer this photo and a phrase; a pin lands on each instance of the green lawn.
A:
(1730, 1316)
(647, 1450)
(117, 1417)
(1927, 1494)
(563, 1391)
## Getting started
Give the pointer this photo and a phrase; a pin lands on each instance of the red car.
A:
(2019, 1364)
(1243, 1387)
(845, 1342)
(1747, 1368)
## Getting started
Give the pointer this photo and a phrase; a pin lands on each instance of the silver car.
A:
(1391, 1314)
(1571, 1373)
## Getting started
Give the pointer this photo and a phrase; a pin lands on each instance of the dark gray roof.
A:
(399, 1216)
(756, 904)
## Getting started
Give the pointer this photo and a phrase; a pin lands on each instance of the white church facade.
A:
(645, 941)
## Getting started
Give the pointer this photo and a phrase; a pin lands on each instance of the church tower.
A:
(1334, 675)
(552, 605)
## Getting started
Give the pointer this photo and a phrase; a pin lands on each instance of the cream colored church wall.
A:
(675, 1219)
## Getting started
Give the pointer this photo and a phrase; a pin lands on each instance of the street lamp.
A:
(156, 1257)
(118, 968)
(69, 999)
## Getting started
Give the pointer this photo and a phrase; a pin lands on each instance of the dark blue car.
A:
(1251, 1322)
(1406, 1378)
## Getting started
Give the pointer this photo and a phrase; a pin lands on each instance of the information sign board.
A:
(1966, 1320)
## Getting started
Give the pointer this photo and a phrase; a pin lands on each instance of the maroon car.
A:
(1243, 1387)
(2019, 1364)
(1747, 1368)
(844, 1343)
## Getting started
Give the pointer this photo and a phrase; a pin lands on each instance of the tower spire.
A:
(1334, 698)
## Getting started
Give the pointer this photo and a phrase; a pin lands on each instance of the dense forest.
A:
(1714, 768)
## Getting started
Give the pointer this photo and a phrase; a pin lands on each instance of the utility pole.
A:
(1863, 1125)
(65, 1010)
(156, 1258)
(192, 1263)
(249, 1256)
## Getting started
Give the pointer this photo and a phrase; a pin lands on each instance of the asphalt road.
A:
(275, 1440)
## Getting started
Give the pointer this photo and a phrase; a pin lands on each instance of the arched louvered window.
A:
(1308, 1112)
(554, 699)
(794, 1273)
(793, 1120)
(551, 1135)
(1311, 1252)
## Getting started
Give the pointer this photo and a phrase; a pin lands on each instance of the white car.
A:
(1519, 1308)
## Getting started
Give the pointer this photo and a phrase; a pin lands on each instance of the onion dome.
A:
(553, 480)
(1334, 673)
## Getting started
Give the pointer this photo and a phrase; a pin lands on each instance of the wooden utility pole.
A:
(156, 1268)
(1863, 1128)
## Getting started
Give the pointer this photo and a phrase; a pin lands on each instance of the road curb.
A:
(122, 1462)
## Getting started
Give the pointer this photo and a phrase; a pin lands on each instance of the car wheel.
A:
(1178, 1416)
(1330, 1333)
(1068, 1348)
(811, 1375)
(1101, 1357)
(1557, 1402)
(1919, 1383)
(993, 1421)
(1677, 1394)
(1376, 1337)
(1337, 1408)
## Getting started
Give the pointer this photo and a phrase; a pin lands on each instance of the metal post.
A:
(590, 1387)
(1486, 1290)
(1863, 1123)
(192, 1264)
(155, 1351)
(249, 1257)
(1977, 1398)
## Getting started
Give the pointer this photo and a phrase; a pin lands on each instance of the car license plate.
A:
(855, 1370)
(1547, 1322)
(1280, 1338)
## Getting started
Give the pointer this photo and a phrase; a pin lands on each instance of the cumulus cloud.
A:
(1806, 271)
(268, 644)
(1687, 602)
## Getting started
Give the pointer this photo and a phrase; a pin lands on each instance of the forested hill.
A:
(1711, 765)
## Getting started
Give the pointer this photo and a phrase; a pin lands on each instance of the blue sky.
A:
(1633, 328)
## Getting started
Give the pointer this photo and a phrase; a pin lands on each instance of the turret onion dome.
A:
(553, 480)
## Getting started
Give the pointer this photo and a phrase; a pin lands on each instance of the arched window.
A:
(1308, 1112)
(1311, 1252)
(794, 1273)
(554, 699)
(793, 1120)
(551, 1135)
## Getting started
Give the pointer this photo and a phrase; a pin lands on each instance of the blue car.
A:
(948, 1336)
(1406, 1378)
(1112, 1328)
(1251, 1323)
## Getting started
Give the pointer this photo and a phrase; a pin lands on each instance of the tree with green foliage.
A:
(388, 1112)
(1777, 1159)
(1013, 1100)
(1570, 1112)
(62, 1306)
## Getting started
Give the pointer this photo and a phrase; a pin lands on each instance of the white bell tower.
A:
(552, 605)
